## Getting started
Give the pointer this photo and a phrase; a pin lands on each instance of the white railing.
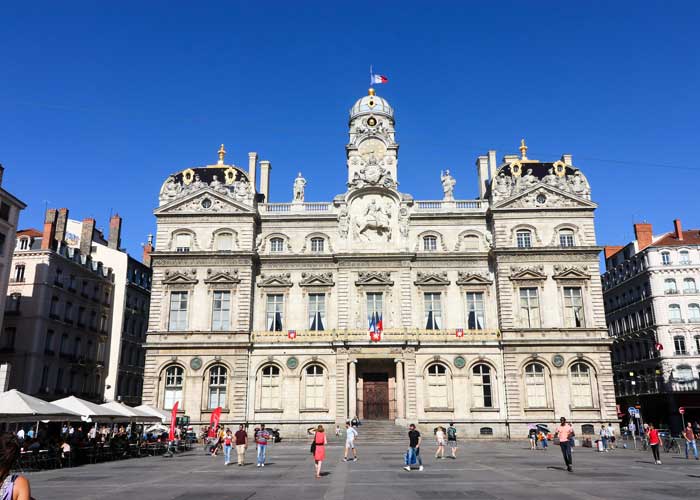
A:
(295, 207)
(442, 205)
(317, 207)
(275, 207)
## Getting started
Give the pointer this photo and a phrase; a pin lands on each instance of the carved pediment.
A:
(545, 196)
(527, 273)
(222, 277)
(319, 279)
(180, 277)
(471, 278)
(374, 278)
(571, 273)
(432, 279)
(275, 280)
(205, 201)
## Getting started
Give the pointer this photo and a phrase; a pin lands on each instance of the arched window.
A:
(684, 257)
(173, 386)
(486, 431)
(224, 241)
(523, 238)
(270, 389)
(683, 373)
(679, 345)
(429, 243)
(535, 386)
(689, 286)
(693, 313)
(566, 238)
(217, 387)
(482, 395)
(276, 245)
(670, 286)
(581, 393)
(183, 242)
(471, 242)
(674, 314)
(437, 386)
(314, 387)
(317, 244)
(666, 258)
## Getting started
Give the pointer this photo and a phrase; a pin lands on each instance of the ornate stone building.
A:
(488, 311)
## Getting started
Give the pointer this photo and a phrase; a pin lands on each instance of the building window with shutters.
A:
(317, 311)
(433, 311)
(375, 307)
(183, 242)
(275, 312)
(475, 311)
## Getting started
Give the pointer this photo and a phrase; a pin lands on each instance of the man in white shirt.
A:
(611, 436)
(20, 434)
(350, 435)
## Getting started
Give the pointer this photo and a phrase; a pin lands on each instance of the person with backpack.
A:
(452, 439)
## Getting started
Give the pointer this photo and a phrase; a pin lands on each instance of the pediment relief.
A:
(374, 278)
(472, 278)
(222, 277)
(545, 196)
(571, 273)
(319, 279)
(527, 273)
(427, 279)
(207, 200)
(181, 277)
(275, 280)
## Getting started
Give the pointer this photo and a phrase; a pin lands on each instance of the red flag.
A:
(173, 421)
(214, 421)
(459, 333)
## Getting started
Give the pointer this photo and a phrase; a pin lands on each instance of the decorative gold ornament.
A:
(229, 176)
(516, 169)
(222, 153)
(523, 150)
(370, 91)
(187, 176)
(559, 168)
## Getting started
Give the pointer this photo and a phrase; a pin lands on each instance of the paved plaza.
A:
(484, 470)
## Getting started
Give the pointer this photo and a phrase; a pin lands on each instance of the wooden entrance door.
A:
(375, 394)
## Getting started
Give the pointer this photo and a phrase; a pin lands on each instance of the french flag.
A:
(379, 79)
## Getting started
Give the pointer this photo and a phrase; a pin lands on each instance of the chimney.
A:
(679, 229)
(611, 250)
(61, 223)
(115, 232)
(265, 169)
(492, 164)
(147, 249)
(568, 159)
(482, 167)
(86, 236)
(642, 233)
(49, 229)
(510, 158)
(253, 170)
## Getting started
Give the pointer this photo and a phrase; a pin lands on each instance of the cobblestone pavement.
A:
(483, 470)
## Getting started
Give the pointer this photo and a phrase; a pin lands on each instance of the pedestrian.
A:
(565, 433)
(12, 486)
(603, 437)
(241, 438)
(355, 421)
(543, 439)
(350, 435)
(337, 430)
(228, 444)
(654, 442)
(689, 436)
(611, 436)
(440, 439)
(413, 454)
(20, 434)
(452, 439)
(262, 435)
(532, 437)
(319, 449)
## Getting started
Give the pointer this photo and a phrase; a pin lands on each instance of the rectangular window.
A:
(178, 312)
(317, 311)
(529, 308)
(68, 313)
(433, 311)
(317, 244)
(58, 280)
(19, 273)
(182, 243)
(566, 238)
(224, 241)
(679, 345)
(48, 342)
(275, 312)
(573, 307)
(4, 211)
(475, 311)
(221, 311)
(24, 244)
(523, 239)
(375, 307)
(665, 258)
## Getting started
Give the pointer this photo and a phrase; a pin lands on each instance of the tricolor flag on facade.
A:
(375, 327)
(373, 78)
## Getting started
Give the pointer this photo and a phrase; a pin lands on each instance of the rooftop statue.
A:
(448, 185)
(299, 186)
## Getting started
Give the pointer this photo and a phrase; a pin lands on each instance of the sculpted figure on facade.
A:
(299, 186)
(343, 222)
(372, 173)
(503, 186)
(403, 221)
(579, 184)
(375, 219)
(171, 189)
(448, 185)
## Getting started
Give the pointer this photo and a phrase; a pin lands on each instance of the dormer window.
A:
(430, 243)
(183, 243)
(524, 238)
(666, 258)
(24, 243)
(566, 238)
(317, 244)
(276, 245)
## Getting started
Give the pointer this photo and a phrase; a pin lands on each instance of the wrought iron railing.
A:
(388, 335)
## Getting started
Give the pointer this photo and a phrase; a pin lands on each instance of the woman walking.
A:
(12, 486)
(319, 449)
(228, 445)
(440, 438)
(654, 442)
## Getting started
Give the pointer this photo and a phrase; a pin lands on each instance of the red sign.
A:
(459, 333)
(375, 336)
(173, 421)
(659, 347)
(681, 410)
(292, 334)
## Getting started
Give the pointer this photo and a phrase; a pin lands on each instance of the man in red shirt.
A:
(689, 436)
(565, 433)
(241, 438)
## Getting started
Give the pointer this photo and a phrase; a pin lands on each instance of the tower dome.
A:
(371, 104)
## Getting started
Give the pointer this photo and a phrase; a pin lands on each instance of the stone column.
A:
(400, 398)
(352, 389)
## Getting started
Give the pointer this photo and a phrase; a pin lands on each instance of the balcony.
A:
(17, 280)
(397, 335)
(671, 292)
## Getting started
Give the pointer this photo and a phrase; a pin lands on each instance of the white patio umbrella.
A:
(89, 410)
(163, 414)
(16, 407)
(133, 414)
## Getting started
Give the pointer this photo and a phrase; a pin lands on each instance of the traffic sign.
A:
(632, 411)
(681, 410)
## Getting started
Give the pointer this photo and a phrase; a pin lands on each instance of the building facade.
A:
(57, 316)
(487, 312)
(652, 305)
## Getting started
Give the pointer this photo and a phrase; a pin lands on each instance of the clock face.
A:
(373, 146)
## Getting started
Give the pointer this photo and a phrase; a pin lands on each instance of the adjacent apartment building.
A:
(652, 306)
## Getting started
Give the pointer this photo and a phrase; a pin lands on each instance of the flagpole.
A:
(370, 75)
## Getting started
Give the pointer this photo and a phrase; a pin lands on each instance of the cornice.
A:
(586, 250)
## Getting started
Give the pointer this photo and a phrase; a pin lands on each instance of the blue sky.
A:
(100, 101)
